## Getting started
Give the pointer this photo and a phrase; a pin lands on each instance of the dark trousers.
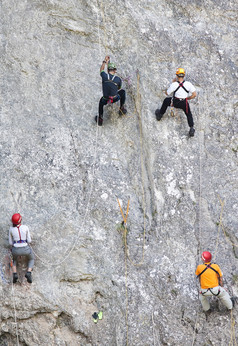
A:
(103, 101)
(182, 104)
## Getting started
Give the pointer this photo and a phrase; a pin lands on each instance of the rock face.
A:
(64, 174)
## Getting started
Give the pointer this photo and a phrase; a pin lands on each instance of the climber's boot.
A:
(191, 131)
(122, 110)
(28, 277)
(15, 278)
(99, 120)
(158, 115)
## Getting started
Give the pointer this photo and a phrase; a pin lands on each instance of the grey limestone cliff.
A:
(65, 174)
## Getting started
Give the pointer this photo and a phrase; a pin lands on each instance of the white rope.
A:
(85, 215)
(200, 174)
(195, 327)
(92, 182)
(84, 218)
(153, 326)
(200, 204)
(99, 35)
(15, 314)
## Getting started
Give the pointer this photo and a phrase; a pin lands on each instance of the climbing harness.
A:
(181, 86)
(115, 98)
(174, 97)
(210, 289)
(137, 103)
(112, 99)
(172, 113)
(126, 271)
(110, 80)
(208, 266)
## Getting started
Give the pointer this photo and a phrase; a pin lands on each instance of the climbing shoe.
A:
(28, 277)
(122, 110)
(15, 278)
(191, 132)
(95, 317)
(158, 115)
(233, 299)
(99, 120)
(100, 315)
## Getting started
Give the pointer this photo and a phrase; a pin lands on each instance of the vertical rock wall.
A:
(64, 174)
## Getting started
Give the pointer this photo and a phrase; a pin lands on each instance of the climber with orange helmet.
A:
(182, 92)
(211, 283)
(19, 239)
(111, 87)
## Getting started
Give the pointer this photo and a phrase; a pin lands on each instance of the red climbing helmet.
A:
(16, 219)
(206, 256)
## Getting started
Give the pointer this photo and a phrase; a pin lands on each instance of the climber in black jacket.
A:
(112, 92)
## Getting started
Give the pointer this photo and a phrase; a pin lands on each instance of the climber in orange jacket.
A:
(211, 282)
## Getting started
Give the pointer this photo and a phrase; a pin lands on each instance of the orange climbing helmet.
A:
(180, 72)
(16, 219)
(206, 256)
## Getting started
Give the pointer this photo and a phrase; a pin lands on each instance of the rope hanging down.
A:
(93, 169)
(137, 102)
(84, 219)
(125, 235)
(126, 272)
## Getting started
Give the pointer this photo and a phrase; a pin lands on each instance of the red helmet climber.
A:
(211, 282)
(16, 219)
(19, 239)
(206, 256)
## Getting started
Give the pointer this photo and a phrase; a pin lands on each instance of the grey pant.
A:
(223, 296)
(23, 251)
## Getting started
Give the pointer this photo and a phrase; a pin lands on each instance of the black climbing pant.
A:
(178, 103)
(103, 101)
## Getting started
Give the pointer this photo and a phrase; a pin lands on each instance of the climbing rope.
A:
(219, 227)
(222, 203)
(125, 235)
(137, 103)
(84, 219)
(232, 331)
(199, 207)
(86, 209)
(200, 177)
(233, 334)
(100, 5)
(125, 263)
(154, 332)
(93, 166)
(15, 312)
(223, 228)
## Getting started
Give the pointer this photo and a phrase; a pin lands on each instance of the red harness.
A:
(110, 99)
(18, 227)
(19, 241)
